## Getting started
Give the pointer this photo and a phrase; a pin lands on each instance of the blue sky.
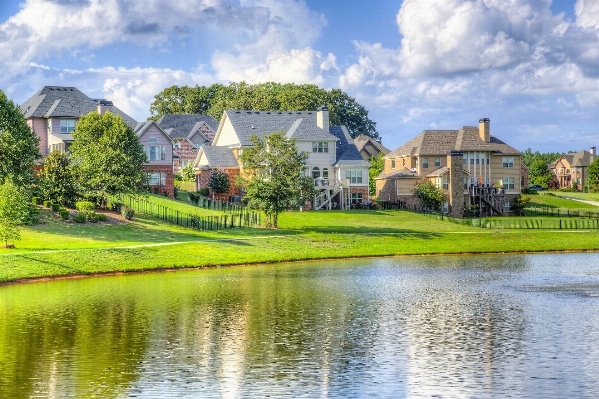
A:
(532, 66)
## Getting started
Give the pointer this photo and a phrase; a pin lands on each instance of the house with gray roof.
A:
(54, 111)
(369, 147)
(340, 173)
(571, 169)
(189, 132)
(472, 167)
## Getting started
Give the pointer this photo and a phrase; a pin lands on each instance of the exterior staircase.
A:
(493, 197)
(327, 189)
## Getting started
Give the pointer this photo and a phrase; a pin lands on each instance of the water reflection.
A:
(523, 326)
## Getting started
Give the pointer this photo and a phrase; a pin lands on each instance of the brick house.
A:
(340, 173)
(159, 150)
(466, 164)
(572, 168)
(189, 133)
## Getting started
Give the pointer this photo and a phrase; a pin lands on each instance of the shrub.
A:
(80, 217)
(92, 217)
(127, 213)
(85, 206)
(36, 200)
(102, 217)
(33, 215)
(204, 191)
(114, 206)
(55, 207)
(549, 194)
(48, 204)
(64, 214)
(529, 191)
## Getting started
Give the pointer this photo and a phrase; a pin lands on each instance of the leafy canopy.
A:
(429, 195)
(528, 157)
(593, 174)
(269, 96)
(57, 180)
(272, 175)
(13, 211)
(218, 181)
(539, 173)
(107, 156)
(376, 167)
(19, 146)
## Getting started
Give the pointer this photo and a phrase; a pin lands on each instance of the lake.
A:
(524, 326)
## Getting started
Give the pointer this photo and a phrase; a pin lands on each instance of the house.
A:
(159, 150)
(340, 173)
(466, 164)
(369, 147)
(53, 112)
(572, 168)
(189, 133)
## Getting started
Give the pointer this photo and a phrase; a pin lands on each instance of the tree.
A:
(269, 96)
(430, 197)
(376, 167)
(187, 172)
(273, 177)
(539, 173)
(593, 174)
(518, 205)
(107, 156)
(218, 181)
(528, 157)
(19, 146)
(13, 211)
(57, 180)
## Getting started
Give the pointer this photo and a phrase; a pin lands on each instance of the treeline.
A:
(270, 96)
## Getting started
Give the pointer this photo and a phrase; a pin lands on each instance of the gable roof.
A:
(347, 152)
(67, 102)
(184, 125)
(141, 128)
(402, 173)
(440, 142)
(300, 125)
(362, 140)
(218, 156)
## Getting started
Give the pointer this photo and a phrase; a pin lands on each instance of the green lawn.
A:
(181, 206)
(548, 201)
(584, 196)
(188, 186)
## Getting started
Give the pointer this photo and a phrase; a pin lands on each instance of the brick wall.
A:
(187, 153)
(203, 176)
(169, 187)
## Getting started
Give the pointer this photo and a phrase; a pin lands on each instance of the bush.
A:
(64, 214)
(85, 206)
(204, 191)
(92, 217)
(529, 191)
(36, 200)
(55, 207)
(114, 206)
(80, 217)
(102, 217)
(33, 215)
(127, 213)
(48, 204)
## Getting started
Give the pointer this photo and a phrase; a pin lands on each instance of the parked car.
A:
(536, 187)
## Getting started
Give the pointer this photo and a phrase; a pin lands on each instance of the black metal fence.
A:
(557, 212)
(207, 203)
(240, 218)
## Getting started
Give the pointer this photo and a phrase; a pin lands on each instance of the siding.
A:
(319, 159)
(498, 172)
(154, 131)
(227, 136)
(39, 126)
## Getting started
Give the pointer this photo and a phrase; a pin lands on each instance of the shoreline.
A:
(230, 265)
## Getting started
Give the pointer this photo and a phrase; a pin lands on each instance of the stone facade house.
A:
(467, 164)
(340, 173)
(189, 133)
(369, 147)
(572, 168)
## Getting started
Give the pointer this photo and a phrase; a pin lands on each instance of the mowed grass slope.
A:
(548, 201)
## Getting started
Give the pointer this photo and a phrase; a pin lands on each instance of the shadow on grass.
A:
(45, 262)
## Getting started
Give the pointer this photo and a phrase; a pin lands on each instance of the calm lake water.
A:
(484, 326)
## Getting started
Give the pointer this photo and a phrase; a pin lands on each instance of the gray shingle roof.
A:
(362, 140)
(439, 142)
(581, 158)
(402, 173)
(68, 102)
(184, 124)
(220, 157)
(347, 152)
(247, 123)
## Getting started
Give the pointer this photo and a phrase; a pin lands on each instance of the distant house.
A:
(572, 168)
(189, 133)
(159, 150)
(340, 173)
(369, 147)
(466, 164)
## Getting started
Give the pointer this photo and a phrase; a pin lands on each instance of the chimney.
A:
(322, 118)
(484, 129)
(103, 106)
(593, 151)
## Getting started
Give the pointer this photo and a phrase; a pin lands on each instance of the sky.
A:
(531, 66)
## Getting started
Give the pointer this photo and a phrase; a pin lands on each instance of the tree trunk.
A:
(275, 220)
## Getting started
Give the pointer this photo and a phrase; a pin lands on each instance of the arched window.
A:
(153, 140)
(325, 173)
(315, 173)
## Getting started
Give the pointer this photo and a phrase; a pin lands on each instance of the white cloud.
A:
(587, 13)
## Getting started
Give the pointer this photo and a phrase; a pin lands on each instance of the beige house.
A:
(472, 167)
(572, 168)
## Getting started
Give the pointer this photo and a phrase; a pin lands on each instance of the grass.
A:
(90, 248)
(181, 206)
(584, 196)
(188, 186)
(548, 201)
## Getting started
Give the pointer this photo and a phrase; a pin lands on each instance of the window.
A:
(156, 153)
(559, 171)
(320, 146)
(416, 162)
(155, 179)
(177, 144)
(471, 159)
(355, 198)
(315, 173)
(354, 176)
(508, 162)
(478, 159)
(508, 206)
(438, 162)
(488, 159)
(578, 170)
(445, 182)
(325, 173)
(465, 183)
(508, 183)
(445, 207)
(425, 163)
(404, 162)
(578, 180)
(567, 171)
(465, 159)
(67, 125)
(393, 164)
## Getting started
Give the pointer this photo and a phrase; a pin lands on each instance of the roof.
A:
(300, 125)
(65, 137)
(219, 156)
(402, 173)
(438, 172)
(182, 126)
(141, 127)
(362, 140)
(66, 102)
(440, 142)
(347, 152)
(581, 158)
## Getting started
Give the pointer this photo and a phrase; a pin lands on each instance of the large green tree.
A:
(269, 96)
(376, 167)
(528, 157)
(430, 197)
(13, 211)
(272, 176)
(539, 173)
(107, 156)
(57, 181)
(593, 175)
(19, 146)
